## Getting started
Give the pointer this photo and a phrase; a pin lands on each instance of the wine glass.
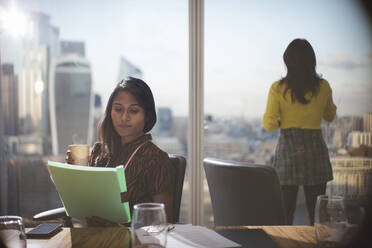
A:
(149, 225)
(12, 232)
(330, 220)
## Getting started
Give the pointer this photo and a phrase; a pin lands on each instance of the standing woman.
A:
(297, 104)
(124, 140)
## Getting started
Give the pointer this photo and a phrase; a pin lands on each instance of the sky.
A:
(243, 49)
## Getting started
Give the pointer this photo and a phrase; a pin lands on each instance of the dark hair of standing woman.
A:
(299, 58)
(107, 135)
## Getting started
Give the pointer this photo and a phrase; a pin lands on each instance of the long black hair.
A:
(107, 135)
(299, 58)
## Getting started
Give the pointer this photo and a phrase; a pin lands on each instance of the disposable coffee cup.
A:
(79, 153)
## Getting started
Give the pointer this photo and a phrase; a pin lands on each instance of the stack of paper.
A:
(187, 236)
(91, 191)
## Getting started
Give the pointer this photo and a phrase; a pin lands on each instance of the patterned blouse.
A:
(148, 174)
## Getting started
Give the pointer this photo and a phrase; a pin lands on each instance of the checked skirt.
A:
(301, 157)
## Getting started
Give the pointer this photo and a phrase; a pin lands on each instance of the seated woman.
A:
(124, 140)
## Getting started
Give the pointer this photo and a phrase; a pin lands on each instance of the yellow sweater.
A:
(282, 113)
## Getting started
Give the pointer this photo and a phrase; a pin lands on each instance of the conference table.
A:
(284, 237)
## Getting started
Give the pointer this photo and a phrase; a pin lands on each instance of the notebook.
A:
(91, 191)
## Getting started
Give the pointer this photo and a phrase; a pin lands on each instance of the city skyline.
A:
(243, 50)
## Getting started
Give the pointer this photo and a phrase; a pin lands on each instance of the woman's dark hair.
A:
(141, 91)
(299, 57)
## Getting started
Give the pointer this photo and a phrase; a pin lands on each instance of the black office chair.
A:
(179, 163)
(244, 193)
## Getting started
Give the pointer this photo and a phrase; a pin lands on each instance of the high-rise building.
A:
(97, 115)
(73, 47)
(127, 69)
(39, 49)
(352, 177)
(164, 121)
(367, 122)
(357, 123)
(71, 102)
(34, 77)
(9, 99)
(356, 139)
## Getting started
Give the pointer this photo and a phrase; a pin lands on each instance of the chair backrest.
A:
(244, 193)
(179, 164)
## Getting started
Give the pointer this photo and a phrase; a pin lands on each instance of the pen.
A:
(170, 228)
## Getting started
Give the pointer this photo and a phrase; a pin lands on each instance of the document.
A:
(187, 236)
(91, 191)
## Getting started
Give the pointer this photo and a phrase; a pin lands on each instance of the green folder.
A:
(91, 191)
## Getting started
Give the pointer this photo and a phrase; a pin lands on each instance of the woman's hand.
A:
(95, 221)
(69, 159)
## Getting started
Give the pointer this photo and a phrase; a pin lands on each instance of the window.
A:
(86, 54)
(244, 45)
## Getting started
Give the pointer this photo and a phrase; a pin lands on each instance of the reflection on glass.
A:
(330, 220)
(149, 226)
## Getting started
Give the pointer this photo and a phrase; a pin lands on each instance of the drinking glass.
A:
(149, 225)
(12, 232)
(330, 220)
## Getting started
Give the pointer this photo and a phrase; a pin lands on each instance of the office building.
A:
(352, 177)
(98, 113)
(356, 139)
(357, 123)
(9, 99)
(39, 49)
(127, 69)
(164, 121)
(73, 47)
(71, 102)
(367, 122)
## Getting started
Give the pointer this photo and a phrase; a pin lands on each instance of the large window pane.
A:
(58, 74)
(244, 45)
(155, 37)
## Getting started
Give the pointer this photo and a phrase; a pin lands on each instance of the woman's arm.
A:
(167, 199)
(330, 108)
(271, 120)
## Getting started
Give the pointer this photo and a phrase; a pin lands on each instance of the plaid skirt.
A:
(301, 157)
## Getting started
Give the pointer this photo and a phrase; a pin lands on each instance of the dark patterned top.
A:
(148, 174)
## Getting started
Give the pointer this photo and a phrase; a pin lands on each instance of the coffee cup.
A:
(79, 154)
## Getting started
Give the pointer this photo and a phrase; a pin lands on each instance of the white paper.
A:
(146, 238)
(186, 236)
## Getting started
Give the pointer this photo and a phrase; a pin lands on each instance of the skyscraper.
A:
(73, 47)
(9, 99)
(71, 102)
(39, 49)
(127, 69)
(98, 112)
(165, 120)
(367, 122)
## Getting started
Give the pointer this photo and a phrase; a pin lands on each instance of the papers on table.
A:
(187, 236)
(91, 191)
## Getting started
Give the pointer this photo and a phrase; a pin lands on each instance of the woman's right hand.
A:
(68, 158)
